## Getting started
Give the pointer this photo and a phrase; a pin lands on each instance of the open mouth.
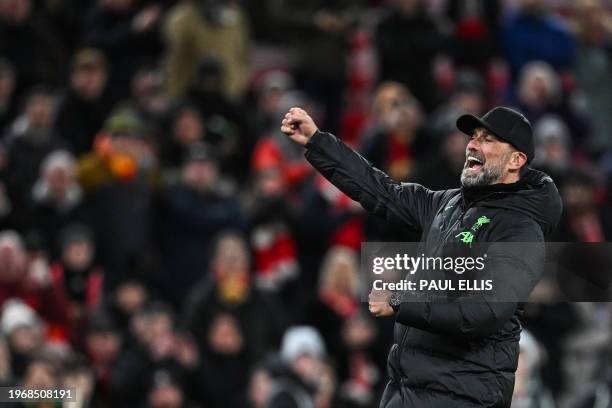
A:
(474, 163)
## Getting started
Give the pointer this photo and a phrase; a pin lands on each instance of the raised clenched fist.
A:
(298, 125)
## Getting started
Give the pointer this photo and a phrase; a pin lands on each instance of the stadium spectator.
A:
(86, 104)
(392, 146)
(24, 332)
(541, 317)
(129, 35)
(528, 33)
(304, 352)
(57, 198)
(29, 140)
(226, 349)
(408, 23)
(148, 98)
(227, 293)
(339, 223)
(79, 275)
(338, 297)
(270, 89)
(272, 221)
(226, 122)
(130, 297)
(553, 147)
(467, 96)
(528, 388)
(328, 25)
(120, 152)
(540, 94)
(194, 30)
(592, 68)
(192, 212)
(103, 343)
(157, 350)
(273, 150)
(66, 17)
(31, 44)
(586, 219)
(166, 392)
(361, 375)
(186, 130)
(118, 177)
(78, 375)
(261, 385)
(475, 31)
(586, 384)
(42, 373)
(30, 280)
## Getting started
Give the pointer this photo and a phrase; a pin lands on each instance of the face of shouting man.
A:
(489, 160)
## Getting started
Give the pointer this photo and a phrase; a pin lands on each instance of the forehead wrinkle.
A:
(484, 132)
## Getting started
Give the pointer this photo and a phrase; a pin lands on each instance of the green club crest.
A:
(466, 237)
(480, 222)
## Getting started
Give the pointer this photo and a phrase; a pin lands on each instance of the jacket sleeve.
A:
(516, 269)
(407, 203)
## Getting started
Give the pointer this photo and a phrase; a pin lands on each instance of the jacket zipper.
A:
(452, 227)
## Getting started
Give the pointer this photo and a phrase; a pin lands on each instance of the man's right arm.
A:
(407, 203)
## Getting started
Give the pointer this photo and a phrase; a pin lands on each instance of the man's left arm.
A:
(520, 265)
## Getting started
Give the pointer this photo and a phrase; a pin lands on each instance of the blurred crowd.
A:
(163, 245)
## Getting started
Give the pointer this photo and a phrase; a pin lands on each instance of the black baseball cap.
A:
(505, 123)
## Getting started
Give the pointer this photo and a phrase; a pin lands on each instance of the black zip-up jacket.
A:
(449, 354)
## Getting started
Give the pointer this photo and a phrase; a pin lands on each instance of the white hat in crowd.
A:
(302, 340)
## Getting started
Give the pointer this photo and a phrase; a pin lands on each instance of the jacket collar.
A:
(471, 195)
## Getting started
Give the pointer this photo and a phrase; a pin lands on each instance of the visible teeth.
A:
(473, 159)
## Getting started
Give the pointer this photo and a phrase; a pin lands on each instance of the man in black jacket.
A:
(451, 354)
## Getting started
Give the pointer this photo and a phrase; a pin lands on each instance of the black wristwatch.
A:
(395, 300)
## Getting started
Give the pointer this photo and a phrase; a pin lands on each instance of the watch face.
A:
(395, 299)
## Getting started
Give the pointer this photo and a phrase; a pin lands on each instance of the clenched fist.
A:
(298, 125)
(378, 304)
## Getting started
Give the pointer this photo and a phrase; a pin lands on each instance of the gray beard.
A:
(488, 175)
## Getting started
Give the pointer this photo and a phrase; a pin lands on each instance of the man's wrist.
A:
(395, 301)
(313, 139)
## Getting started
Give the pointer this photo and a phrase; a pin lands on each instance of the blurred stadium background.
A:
(163, 245)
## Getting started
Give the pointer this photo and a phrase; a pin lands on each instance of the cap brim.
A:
(468, 123)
